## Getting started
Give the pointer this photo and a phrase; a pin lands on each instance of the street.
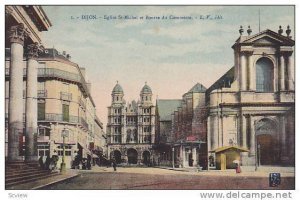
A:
(155, 178)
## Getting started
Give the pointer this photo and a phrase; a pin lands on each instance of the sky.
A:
(171, 55)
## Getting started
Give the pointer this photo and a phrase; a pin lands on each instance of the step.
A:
(9, 172)
(17, 174)
(30, 180)
(25, 176)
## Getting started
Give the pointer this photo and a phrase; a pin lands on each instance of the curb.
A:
(54, 182)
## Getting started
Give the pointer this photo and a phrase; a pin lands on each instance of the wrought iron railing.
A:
(57, 73)
(60, 118)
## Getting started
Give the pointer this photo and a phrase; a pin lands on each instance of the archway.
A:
(267, 144)
(264, 75)
(146, 158)
(117, 156)
(132, 156)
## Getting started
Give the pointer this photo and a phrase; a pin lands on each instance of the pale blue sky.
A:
(171, 55)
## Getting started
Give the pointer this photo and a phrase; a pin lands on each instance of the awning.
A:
(226, 148)
(86, 149)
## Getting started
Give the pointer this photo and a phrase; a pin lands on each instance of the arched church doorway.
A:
(117, 156)
(267, 145)
(132, 156)
(146, 158)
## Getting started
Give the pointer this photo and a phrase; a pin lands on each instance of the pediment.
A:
(267, 41)
(269, 37)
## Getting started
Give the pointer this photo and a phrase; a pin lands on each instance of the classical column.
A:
(17, 36)
(216, 131)
(251, 72)
(282, 74)
(252, 137)
(290, 70)
(243, 71)
(31, 103)
(244, 131)
(283, 138)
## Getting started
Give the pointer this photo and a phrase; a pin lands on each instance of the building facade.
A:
(24, 26)
(131, 127)
(252, 106)
(249, 111)
(63, 104)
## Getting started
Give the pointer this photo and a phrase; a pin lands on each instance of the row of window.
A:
(143, 139)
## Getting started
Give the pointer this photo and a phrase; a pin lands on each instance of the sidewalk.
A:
(44, 182)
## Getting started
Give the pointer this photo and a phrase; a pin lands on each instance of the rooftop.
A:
(166, 108)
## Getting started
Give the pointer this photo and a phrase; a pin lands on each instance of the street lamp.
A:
(64, 134)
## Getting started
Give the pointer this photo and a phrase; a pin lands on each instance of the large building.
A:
(252, 106)
(46, 95)
(63, 103)
(247, 115)
(24, 26)
(131, 127)
(182, 129)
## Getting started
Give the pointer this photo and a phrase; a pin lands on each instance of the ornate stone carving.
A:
(33, 50)
(18, 34)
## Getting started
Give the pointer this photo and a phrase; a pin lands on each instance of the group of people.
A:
(82, 163)
(48, 163)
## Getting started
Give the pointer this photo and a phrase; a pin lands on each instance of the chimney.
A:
(64, 53)
(68, 56)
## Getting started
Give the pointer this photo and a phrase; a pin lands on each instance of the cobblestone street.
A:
(155, 178)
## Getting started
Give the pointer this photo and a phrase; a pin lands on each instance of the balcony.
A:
(42, 93)
(81, 102)
(83, 123)
(66, 96)
(59, 118)
(43, 138)
(59, 74)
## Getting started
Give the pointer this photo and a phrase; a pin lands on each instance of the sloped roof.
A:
(224, 81)
(197, 88)
(166, 107)
(225, 148)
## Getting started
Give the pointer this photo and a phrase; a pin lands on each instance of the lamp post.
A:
(64, 134)
(173, 150)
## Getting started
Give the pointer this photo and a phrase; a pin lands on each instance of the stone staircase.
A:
(18, 173)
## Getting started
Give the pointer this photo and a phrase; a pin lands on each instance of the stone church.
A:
(131, 127)
(252, 106)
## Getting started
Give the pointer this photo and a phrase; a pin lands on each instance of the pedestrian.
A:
(88, 165)
(47, 163)
(237, 168)
(41, 162)
(114, 164)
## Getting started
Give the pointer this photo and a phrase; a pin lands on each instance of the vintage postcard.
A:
(189, 97)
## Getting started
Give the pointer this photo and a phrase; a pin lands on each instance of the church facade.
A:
(131, 127)
(252, 106)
